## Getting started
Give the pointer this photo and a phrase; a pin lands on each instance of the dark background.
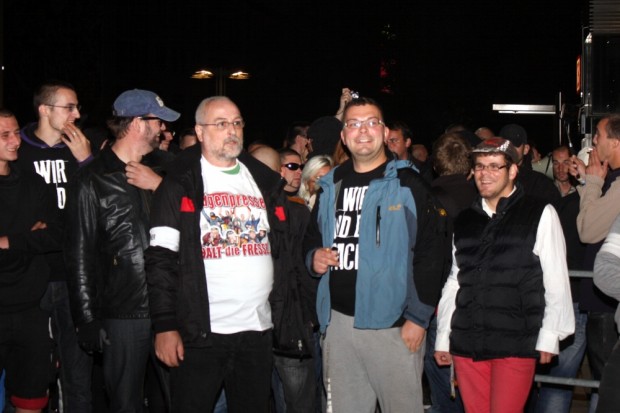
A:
(447, 61)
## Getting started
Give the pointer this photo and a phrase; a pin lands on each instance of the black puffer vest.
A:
(500, 302)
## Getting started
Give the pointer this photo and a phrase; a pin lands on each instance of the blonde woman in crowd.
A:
(314, 169)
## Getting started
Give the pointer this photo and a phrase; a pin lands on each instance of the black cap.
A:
(325, 134)
(514, 133)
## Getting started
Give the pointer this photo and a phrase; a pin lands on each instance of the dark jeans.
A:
(76, 365)
(277, 391)
(124, 362)
(241, 361)
(321, 396)
(157, 385)
(558, 398)
(298, 384)
(439, 377)
(609, 394)
(601, 337)
(220, 405)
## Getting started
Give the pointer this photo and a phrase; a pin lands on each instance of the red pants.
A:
(494, 386)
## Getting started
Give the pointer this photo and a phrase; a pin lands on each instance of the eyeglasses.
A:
(224, 124)
(71, 107)
(356, 124)
(147, 118)
(493, 167)
(293, 166)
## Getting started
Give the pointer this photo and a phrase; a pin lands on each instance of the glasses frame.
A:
(147, 118)
(71, 107)
(357, 124)
(224, 124)
(490, 167)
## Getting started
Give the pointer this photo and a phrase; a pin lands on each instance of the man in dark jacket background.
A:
(108, 206)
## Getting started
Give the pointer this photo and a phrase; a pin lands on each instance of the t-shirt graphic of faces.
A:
(235, 250)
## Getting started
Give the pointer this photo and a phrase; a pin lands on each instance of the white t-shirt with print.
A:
(235, 250)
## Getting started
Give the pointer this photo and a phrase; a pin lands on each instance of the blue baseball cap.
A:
(139, 102)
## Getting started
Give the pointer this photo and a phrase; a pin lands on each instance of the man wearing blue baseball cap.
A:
(107, 234)
(137, 103)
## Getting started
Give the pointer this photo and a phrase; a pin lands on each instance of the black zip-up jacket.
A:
(293, 297)
(107, 233)
(177, 283)
(23, 269)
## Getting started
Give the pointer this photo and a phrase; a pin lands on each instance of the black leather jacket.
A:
(107, 233)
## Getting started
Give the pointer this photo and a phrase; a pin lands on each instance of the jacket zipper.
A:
(378, 227)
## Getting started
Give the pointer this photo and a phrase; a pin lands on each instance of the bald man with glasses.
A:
(209, 303)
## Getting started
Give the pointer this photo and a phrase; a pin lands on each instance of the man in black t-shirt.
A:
(374, 240)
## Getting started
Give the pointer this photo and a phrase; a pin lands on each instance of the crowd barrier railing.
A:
(566, 381)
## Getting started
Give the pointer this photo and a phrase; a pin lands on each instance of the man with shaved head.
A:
(268, 156)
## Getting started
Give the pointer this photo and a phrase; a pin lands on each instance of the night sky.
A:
(448, 61)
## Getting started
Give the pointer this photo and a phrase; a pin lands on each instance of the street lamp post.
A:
(220, 75)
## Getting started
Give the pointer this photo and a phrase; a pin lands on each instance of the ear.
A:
(43, 110)
(138, 124)
(526, 149)
(514, 170)
(386, 133)
(407, 142)
(344, 142)
(198, 130)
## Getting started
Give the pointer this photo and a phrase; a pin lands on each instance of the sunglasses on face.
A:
(293, 166)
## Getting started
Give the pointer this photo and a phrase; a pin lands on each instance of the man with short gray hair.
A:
(209, 303)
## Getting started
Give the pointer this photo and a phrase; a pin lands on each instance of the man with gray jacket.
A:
(607, 279)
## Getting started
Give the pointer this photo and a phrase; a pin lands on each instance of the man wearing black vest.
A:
(513, 304)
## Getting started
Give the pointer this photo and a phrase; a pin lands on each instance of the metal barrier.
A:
(580, 274)
(565, 381)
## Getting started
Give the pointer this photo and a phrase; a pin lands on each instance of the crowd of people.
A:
(329, 275)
